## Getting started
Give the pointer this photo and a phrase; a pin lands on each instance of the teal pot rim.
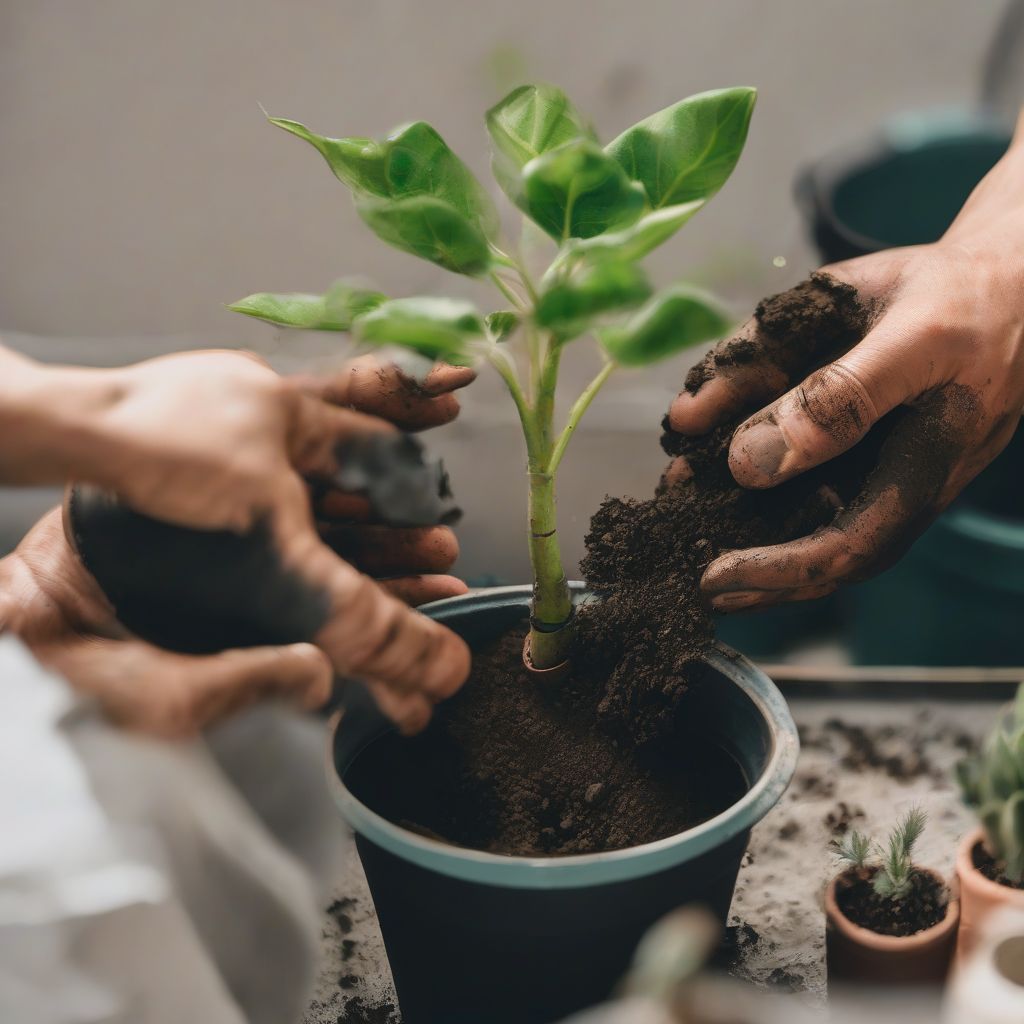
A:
(592, 868)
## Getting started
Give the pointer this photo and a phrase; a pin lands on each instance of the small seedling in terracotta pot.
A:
(889, 920)
(990, 861)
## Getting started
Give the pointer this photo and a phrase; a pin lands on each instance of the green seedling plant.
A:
(894, 871)
(604, 208)
(992, 784)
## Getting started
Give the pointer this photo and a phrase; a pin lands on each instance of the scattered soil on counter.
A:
(358, 1011)
(841, 817)
(991, 868)
(924, 906)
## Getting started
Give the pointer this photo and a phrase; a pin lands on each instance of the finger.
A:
(417, 590)
(789, 334)
(174, 696)
(736, 375)
(410, 712)
(831, 410)
(318, 429)
(335, 504)
(384, 550)
(384, 390)
(444, 379)
(921, 467)
(367, 633)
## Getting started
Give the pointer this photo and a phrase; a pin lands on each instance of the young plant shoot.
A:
(992, 784)
(892, 876)
(603, 207)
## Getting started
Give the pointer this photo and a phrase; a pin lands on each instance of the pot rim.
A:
(971, 877)
(587, 869)
(893, 943)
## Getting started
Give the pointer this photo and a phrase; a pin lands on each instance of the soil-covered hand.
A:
(218, 440)
(55, 607)
(936, 346)
(410, 562)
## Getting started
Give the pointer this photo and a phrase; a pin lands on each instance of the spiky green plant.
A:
(604, 208)
(992, 783)
(854, 848)
(895, 869)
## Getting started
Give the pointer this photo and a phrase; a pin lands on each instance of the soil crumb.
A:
(923, 907)
(358, 1011)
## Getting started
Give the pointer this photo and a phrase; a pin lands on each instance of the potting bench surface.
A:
(863, 762)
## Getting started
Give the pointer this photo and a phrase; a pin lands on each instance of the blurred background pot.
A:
(980, 897)
(858, 954)
(959, 592)
(475, 936)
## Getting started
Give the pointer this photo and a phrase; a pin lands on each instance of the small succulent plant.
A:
(893, 875)
(992, 783)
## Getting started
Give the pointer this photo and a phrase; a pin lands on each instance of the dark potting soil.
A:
(923, 907)
(608, 758)
(991, 868)
(527, 769)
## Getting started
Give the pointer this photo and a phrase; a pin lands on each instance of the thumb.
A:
(175, 696)
(827, 414)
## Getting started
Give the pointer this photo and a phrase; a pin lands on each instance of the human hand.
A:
(56, 608)
(942, 341)
(236, 448)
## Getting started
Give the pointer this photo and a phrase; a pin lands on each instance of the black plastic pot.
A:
(477, 937)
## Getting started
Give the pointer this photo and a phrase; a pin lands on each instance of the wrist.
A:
(53, 417)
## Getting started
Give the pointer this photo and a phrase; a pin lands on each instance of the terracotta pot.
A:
(858, 954)
(979, 896)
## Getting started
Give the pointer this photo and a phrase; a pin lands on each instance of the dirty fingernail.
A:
(737, 599)
(760, 448)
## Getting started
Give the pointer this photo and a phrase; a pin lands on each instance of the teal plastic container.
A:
(476, 937)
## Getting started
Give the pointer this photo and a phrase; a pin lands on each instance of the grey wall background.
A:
(140, 187)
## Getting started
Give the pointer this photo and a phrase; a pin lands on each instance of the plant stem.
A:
(552, 603)
(505, 290)
(576, 414)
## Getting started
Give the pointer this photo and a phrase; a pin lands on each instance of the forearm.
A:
(48, 420)
(997, 203)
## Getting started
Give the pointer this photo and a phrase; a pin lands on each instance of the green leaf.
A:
(636, 241)
(568, 306)
(991, 816)
(688, 150)
(429, 228)
(1003, 776)
(412, 161)
(357, 162)
(674, 319)
(968, 777)
(1011, 832)
(576, 191)
(333, 311)
(435, 327)
(530, 121)
(501, 323)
